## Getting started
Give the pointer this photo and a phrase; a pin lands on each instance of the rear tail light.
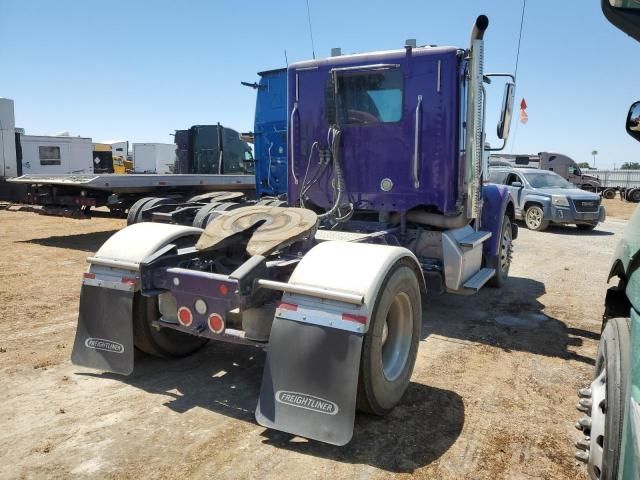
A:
(216, 323)
(88, 275)
(185, 317)
(128, 280)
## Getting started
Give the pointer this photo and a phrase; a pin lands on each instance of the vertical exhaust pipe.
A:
(474, 148)
(477, 32)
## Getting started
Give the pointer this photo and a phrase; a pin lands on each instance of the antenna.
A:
(515, 73)
(524, 4)
(313, 48)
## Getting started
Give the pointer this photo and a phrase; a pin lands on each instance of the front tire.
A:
(608, 394)
(391, 344)
(159, 342)
(534, 218)
(502, 262)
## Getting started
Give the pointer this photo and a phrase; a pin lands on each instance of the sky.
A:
(138, 70)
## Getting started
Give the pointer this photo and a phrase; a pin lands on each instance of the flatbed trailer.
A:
(76, 194)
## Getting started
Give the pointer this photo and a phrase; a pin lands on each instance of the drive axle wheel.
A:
(159, 342)
(391, 344)
(534, 218)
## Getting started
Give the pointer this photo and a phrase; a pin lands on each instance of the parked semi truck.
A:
(558, 163)
(386, 156)
(610, 447)
(212, 149)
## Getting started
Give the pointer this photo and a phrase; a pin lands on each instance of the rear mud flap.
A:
(104, 337)
(310, 381)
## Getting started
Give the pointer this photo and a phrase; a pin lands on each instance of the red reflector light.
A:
(128, 280)
(288, 306)
(184, 316)
(350, 317)
(216, 323)
(223, 289)
(89, 275)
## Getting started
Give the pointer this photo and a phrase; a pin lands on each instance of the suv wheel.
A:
(534, 218)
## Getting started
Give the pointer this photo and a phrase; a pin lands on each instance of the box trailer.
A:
(56, 155)
(154, 157)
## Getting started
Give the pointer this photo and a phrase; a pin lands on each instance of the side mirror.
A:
(633, 121)
(516, 184)
(507, 110)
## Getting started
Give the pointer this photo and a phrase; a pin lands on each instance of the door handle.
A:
(416, 143)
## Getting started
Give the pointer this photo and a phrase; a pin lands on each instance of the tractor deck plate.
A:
(282, 226)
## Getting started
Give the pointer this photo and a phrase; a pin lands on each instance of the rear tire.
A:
(162, 342)
(390, 346)
(634, 195)
(502, 262)
(609, 193)
(134, 210)
(534, 218)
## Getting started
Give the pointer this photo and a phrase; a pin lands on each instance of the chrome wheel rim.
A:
(396, 337)
(534, 217)
(598, 419)
(506, 249)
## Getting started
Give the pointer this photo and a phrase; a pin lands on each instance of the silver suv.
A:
(542, 197)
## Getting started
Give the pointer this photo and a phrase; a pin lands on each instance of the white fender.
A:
(134, 243)
(349, 267)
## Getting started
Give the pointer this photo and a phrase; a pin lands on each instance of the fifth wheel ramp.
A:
(280, 226)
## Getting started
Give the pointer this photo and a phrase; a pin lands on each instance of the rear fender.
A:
(356, 268)
(104, 335)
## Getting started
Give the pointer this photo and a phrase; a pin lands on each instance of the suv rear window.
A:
(366, 98)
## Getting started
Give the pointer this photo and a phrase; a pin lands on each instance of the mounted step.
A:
(477, 281)
(474, 239)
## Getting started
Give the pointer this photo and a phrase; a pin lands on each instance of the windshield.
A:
(547, 180)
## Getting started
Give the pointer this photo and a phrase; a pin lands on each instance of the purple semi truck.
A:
(385, 201)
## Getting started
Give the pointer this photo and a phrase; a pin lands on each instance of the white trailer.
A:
(8, 160)
(154, 157)
(56, 155)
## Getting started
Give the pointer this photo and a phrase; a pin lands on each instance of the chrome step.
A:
(478, 280)
(474, 239)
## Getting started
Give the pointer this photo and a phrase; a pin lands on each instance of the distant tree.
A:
(584, 165)
(630, 166)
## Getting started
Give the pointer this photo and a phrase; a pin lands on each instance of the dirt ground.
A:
(492, 395)
(618, 208)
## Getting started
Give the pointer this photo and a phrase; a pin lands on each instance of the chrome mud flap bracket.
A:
(310, 381)
(104, 336)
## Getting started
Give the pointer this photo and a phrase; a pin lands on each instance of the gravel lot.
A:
(492, 395)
